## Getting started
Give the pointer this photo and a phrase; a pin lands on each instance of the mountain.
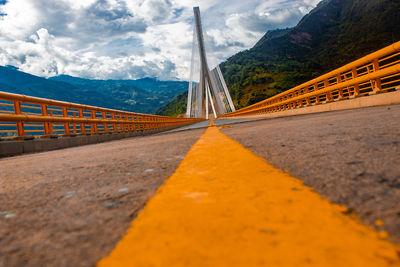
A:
(14, 81)
(272, 35)
(143, 96)
(333, 34)
(176, 107)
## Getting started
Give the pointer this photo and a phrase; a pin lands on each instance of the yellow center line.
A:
(224, 206)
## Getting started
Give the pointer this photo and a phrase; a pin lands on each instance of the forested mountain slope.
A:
(336, 32)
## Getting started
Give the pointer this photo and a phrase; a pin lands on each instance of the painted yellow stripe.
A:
(224, 206)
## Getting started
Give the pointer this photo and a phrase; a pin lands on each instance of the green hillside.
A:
(336, 32)
(176, 107)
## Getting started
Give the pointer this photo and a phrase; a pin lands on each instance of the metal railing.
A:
(25, 117)
(375, 73)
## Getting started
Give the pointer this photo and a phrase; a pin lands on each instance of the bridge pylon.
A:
(210, 91)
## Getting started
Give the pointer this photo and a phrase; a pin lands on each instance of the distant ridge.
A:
(143, 95)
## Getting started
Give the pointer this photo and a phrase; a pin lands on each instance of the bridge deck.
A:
(73, 209)
(205, 124)
(224, 206)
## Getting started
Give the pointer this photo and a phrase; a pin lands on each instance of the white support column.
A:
(227, 94)
(189, 100)
(211, 102)
(190, 90)
(211, 86)
(207, 104)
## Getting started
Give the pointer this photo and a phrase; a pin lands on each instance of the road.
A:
(70, 207)
(349, 157)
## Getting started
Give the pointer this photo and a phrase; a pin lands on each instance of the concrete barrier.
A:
(12, 148)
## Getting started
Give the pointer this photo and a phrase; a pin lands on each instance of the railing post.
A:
(135, 124)
(83, 130)
(356, 87)
(339, 80)
(356, 90)
(354, 73)
(20, 124)
(66, 124)
(376, 83)
(124, 125)
(141, 125)
(375, 63)
(105, 124)
(341, 95)
(74, 124)
(131, 124)
(93, 124)
(48, 126)
(328, 95)
(326, 83)
(128, 125)
(114, 124)
(121, 123)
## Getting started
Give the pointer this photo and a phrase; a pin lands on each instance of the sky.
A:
(131, 39)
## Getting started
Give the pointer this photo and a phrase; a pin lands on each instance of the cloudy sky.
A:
(130, 39)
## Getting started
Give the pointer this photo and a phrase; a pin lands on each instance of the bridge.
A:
(309, 177)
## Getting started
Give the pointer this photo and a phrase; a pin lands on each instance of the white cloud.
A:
(20, 20)
(131, 38)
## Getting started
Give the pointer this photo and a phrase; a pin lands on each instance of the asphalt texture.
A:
(204, 124)
(70, 207)
(349, 157)
(224, 206)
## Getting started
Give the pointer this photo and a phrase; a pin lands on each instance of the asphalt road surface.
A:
(70, 207)
(350, 157)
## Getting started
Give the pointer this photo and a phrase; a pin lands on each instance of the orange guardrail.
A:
(375, 73)
(25, 116)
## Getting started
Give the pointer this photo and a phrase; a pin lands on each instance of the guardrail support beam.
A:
(20, 125)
